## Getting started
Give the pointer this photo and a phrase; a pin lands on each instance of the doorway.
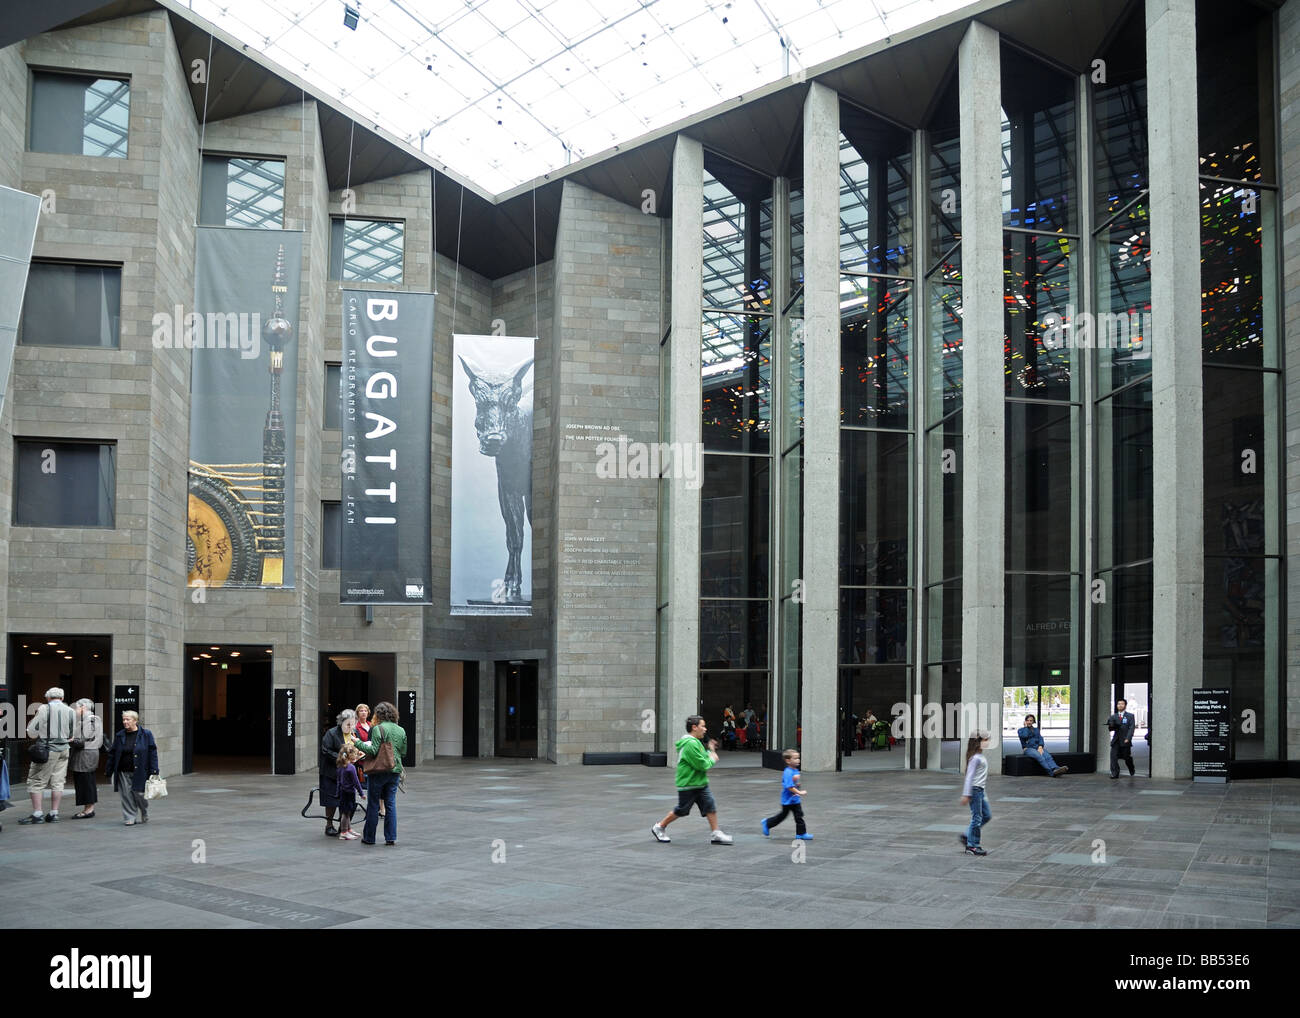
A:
(81, 666)
(1132, 682)
(228, 709)
(349, 679)
(867, 692)
(455, 708)
(516, 720)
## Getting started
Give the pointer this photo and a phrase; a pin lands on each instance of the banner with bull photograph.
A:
(243, 332)
(387, 404)
(492, 475)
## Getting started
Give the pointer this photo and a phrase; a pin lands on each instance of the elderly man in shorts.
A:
(53, 724)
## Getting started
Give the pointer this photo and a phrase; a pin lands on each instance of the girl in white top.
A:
(977, 772)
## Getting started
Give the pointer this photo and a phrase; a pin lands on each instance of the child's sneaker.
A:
(763, 827)
(804, 837)
(718, 838)
(975, 850)
(659, 833)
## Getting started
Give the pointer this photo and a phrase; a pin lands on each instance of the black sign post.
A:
(125, 698)
(285, 722)
(406, 718)
(1211, 734)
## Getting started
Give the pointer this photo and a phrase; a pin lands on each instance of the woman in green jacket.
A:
(383, 784)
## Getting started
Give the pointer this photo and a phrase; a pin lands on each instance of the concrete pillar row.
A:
(1177, 388)
(681, 667)
(983, 466)
(821, 437)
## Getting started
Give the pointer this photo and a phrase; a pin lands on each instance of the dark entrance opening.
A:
(79, 665)
(1132, 682)
(350, 679)
(227, 709)
(516, 727)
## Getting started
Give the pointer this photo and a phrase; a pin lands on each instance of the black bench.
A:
(623, 759)
(1020, 766)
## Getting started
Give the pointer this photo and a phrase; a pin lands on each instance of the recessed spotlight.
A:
(214, 648)
(51, 643)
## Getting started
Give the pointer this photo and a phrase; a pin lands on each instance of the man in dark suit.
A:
(1122, 725)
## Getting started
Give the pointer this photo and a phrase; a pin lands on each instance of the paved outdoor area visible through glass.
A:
(499, 843)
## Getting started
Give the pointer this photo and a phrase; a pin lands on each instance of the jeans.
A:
(1045, 761)
(797, 809)
(980, 815)
(377, 786)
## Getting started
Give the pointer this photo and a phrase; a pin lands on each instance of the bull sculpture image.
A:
(503, 421)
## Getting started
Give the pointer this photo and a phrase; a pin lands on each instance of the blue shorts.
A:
(688, 797)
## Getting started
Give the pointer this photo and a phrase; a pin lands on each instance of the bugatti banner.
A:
(243, 381)
(492, 476)
(387, 403)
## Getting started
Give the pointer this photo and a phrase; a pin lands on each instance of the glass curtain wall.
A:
(1121, 592)
(1236, 88)
(876, 455)
(1043, 398)
(735, 565)
(943, 422)
(789, 675)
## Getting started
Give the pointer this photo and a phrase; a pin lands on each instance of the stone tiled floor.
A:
(572, 847)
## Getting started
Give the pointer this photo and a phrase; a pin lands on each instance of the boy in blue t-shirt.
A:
(791, 793)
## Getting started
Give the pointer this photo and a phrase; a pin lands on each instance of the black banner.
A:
(286, 720)
(387, 403)
(125, 698)
(406, 718)
(1211, 734)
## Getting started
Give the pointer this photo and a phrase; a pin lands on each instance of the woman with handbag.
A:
(131, 761)
(383, 767)
(86, 739)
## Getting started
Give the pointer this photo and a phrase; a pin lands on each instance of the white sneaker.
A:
(718, 838)
(659, 833)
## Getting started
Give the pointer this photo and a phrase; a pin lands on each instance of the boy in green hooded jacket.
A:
(693, 763)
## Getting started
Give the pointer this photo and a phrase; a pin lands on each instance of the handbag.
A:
(155, 787)
(383, 761)
(39, 752)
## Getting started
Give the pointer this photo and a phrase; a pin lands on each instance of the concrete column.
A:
(1177, 387)
(821, 446)
(682, 665)
(1289, 153)
(983, 466)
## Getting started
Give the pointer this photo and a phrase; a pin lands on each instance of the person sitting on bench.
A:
(1031, 741)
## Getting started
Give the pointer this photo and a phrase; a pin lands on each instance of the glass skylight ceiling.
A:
(502, 91)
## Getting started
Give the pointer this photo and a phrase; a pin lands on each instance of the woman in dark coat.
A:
(85, 761)
(133, 758)
(334, 740)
